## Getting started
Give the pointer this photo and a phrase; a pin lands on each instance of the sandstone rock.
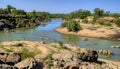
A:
(3, 57)
(71, 47)
(40, 57)
(115, 46)
(9, 58)
(87, 55)
(42, 42)
(5, 66)
(28, 63)
(62, 56)
(105, 52)
(13, 58)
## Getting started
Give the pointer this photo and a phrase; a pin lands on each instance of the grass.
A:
(25, 53)
(61, 45)
(48, 61)
(5, 49)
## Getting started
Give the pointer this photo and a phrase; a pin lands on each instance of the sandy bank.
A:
(96, 31)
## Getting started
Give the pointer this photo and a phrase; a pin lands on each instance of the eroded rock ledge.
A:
(53, 56)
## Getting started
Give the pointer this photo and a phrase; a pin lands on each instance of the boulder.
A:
(63, 56)
(3, 57)
(105, 52)
(87, 55)
(13, 58)
(1, 25)
(29, 63)
(5, 66)
(9, 58)
(40, 57)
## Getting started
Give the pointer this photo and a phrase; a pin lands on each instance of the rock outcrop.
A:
(29, 63)
(10, 58)
(105, 52)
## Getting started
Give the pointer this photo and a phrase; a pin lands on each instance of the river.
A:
(47, 31)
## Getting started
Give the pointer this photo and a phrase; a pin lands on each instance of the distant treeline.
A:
(10, 17)
(85, 13)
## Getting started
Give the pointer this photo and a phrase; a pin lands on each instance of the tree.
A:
(33, 13)
(72, 26)
(117, 22)
(2, 11)
(14, 11)
(98, 12)
(8, 9)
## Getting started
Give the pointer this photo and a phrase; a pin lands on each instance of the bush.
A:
(25, 53)
(85, 20)
(64, 24)
(72, 26)
(117, 22)
(101, 23)
(107, 24)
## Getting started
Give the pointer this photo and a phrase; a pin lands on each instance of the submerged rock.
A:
(105, 52)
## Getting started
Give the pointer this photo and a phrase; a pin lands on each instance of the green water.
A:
(47, 31)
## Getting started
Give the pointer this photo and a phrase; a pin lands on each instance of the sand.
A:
(90, 30)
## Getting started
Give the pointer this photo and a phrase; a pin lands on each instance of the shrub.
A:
(61, 45)
(64, 24)
(85, 20)
(101, 23)
(25, 53)
(117, 22)
(72, 26)
(107, 24)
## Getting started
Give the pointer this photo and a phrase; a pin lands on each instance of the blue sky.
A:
(63, 6)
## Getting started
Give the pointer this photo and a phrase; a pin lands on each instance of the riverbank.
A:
(8, 22)
(96, 31)
(40, 52)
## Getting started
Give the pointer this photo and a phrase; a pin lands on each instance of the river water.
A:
(47, 31)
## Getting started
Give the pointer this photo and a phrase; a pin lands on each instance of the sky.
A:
(63, 6)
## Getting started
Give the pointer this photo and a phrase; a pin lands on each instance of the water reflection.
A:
(72, 39)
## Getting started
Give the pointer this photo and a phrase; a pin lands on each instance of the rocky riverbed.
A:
(38, 55)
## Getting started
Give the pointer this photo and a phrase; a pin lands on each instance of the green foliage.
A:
(98, 12)
(8, 9)
(80, 14)
(107, 24)
(2, 11)
(6, 49)
(95, 19)
(85, 20)
(101, 23)
(116, 15)
(64, 24)
(72, 26)
(117, 22)
(61, 45)
(18, 12)
(48, 61)
(9, 50)
(25, 53)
